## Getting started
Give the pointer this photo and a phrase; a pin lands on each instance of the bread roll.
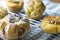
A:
(14, 5)
(51, 24)
(14, 28)
(34, 9)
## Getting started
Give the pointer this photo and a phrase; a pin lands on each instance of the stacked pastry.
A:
(12, 28)
(34, 9)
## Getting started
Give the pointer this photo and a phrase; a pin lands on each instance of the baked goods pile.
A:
(14, 27)
(34, 9)
(51, 24)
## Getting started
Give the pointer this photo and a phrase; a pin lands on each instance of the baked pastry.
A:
(51, 24)
(3, 12)
(34, 9)
(14, 5)
(16, 27)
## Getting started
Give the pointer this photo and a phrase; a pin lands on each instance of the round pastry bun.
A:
(13, 6)
(12, 30)
(34, 9)
(51, 24)
(3, 12)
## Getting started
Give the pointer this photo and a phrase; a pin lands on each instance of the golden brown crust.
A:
(34, 9)
(11, 30)
(3, 12)
(14, 7)
(50, 24)
(2, 25)
(52, 19)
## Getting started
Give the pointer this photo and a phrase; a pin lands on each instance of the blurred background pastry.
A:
(3, 12)
(14, 5)
(34, 9)
(51, 24)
